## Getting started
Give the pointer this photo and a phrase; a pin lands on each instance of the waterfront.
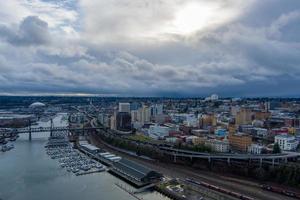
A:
(27, 172)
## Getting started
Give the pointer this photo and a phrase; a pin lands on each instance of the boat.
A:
(7, 147)
(3, 141)
(14, 138)
(75, 170)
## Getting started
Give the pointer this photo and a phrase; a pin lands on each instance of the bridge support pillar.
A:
(285, 160)
(228, 161)
(210, 163)
(260, 162)
(29, 135)
(51, 128)
(174, 158)
(273, 162)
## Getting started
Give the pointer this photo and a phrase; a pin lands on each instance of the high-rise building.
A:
(123, 121)
(124, 107)
(113, 122)
(134, 115)
(143, 114)
(244, 116)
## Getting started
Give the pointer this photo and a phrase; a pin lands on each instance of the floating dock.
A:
(90, 172)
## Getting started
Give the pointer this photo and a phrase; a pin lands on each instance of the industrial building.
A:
(135, 173)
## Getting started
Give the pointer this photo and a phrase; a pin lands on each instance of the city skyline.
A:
(157, 48)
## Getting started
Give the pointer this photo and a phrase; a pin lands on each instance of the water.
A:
(28, 173)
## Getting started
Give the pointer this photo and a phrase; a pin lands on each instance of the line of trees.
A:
(285, 174)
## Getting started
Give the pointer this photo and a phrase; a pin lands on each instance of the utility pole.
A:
(29, 121)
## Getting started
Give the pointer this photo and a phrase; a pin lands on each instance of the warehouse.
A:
(135, 173)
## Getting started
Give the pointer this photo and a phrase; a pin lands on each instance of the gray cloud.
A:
(32, 31)
(255, 54)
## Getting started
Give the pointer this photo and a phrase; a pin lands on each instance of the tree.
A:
(276, 148)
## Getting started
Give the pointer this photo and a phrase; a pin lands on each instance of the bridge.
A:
(229, 158)
(51, 129)
(259, 158)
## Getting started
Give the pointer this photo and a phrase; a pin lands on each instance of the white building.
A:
(187, 119)
(255, 149)
(213, 97)
(143, 114)
(191, 120)
(158, 132)
(134, 115)
(218, 145)
(286, 142)
(113, 122)
(124, 107)
(261, 132)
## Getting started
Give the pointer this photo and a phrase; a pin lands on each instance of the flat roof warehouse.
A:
(135, 172)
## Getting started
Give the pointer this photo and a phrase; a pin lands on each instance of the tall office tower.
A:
(124, 107)
(123, 121)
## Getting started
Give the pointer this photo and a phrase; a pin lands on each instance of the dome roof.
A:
(37, 105)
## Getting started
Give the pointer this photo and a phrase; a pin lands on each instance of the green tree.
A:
(276, 148)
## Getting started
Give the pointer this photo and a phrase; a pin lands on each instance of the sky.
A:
(170, 48)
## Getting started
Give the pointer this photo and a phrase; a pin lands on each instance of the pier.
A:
(90, 172)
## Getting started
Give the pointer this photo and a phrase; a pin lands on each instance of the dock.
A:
(90, 172)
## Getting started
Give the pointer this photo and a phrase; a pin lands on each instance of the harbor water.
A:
(28, 173)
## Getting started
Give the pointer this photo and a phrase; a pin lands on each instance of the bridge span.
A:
(259, 158)
(30, 130)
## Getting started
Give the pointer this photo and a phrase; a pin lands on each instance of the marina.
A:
(69, 158)
(6, 142)
(35, 175)
(133, 173)
(6, 147)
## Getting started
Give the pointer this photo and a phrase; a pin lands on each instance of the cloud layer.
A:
(150, 48)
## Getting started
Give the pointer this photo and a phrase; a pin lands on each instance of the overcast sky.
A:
(150, 47)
